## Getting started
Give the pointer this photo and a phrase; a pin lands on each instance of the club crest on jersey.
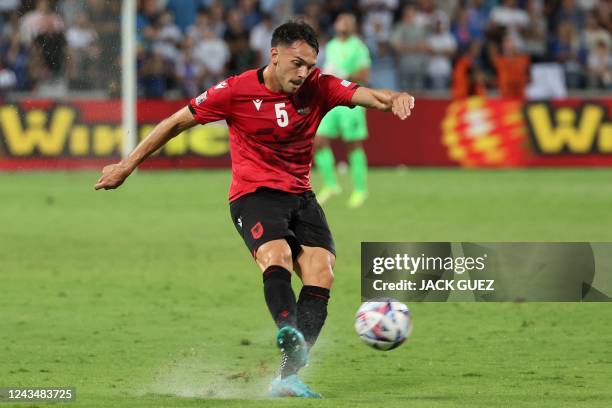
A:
(257, 230)
(345, 83)
(221, 85)
(303, 111)
(201, 98)
(257, 103)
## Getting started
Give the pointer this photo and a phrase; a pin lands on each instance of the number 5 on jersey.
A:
(282, 117)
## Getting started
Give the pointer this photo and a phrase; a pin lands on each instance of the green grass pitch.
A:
(147, 297)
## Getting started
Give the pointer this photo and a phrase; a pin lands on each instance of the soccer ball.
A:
(383, 324)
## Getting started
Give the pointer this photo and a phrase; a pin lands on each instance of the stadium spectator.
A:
(478, 18)
(410, 43)
(566, 50)
(167, 37)
(84, 53)
(462, 31)
(319, 19)
(468, 76)
(153, 74)
(604, 14)
(539, 28)
(213, 53)
(428, 13)
(442, 46)
(44, 30)
(535, 32)
(8, 79)
(260, 38)
(40, 21)
(569, 11)
(514, 19)
(10, 26)
(242, 58)
(594, 34)
(250, 14)
(600, 67)
(8, 6)
(235, 29)
(189, 71)
(81, 35)
(377, 17)
(184, 12)
(383, 73)
(512, 69)
(148, 11)
(216, 13)
(15, 58)
(202, 22)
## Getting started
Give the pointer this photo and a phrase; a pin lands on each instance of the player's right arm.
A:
(211, 106)
(114, 175)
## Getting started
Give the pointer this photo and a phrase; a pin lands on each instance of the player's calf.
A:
(317, 275)
(274, 258)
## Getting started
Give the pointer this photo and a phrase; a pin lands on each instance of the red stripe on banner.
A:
(476, 132)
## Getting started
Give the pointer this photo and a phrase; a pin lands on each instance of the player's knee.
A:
(274, 254)
(327, 277)
(322, 270)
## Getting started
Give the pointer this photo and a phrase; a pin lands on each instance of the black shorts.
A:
(269, 214)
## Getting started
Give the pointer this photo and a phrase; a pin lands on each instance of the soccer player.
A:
(272, 114)
(347, 57)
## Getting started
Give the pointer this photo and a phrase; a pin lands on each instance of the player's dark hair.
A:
(293, 31)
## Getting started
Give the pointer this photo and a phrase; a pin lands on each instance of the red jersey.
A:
(271, 134)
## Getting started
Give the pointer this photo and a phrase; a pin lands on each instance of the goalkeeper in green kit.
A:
(346, 57)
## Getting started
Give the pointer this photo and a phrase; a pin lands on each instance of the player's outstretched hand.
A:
(113, 176)
(401, 105)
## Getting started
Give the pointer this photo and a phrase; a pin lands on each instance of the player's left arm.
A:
(400, 103)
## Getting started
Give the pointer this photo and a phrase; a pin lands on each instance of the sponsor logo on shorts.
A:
(257, 230)
(345, 83)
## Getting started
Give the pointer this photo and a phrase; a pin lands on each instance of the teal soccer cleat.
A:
(291, 343)
(291, 386)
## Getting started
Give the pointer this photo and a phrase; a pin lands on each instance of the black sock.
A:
(312, 311)
(279, 295)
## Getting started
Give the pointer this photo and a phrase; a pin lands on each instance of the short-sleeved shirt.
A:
(345, 58)
(271, 134)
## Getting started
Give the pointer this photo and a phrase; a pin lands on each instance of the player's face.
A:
(293, 64)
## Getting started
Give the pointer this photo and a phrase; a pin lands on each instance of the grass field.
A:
(147, 297)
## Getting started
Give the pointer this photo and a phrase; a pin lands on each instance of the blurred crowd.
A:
(463, 46)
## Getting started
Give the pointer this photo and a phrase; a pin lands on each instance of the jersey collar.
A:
(260, 75)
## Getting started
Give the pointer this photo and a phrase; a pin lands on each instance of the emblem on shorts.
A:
(257, 230)
(239, 222)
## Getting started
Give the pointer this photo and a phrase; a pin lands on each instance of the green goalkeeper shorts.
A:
(349, 124)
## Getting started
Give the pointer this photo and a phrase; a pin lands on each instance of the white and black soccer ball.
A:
(383, 324)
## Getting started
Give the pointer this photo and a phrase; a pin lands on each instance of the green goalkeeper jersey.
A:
(345, 58)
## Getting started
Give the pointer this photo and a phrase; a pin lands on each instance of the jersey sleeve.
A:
(337, 91)
(214, 104)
